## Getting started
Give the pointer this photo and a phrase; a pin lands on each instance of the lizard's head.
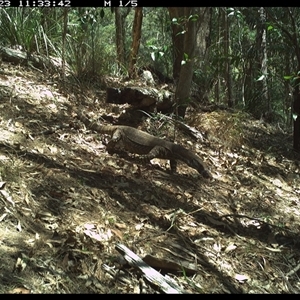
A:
(191, 160)
(200, 166)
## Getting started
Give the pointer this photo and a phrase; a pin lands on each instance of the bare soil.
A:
(65, 202)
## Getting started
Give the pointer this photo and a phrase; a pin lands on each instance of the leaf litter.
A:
(65, 202)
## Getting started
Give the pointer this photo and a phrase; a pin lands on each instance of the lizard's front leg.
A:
(113, 145)
(159, 152)
(173, 165)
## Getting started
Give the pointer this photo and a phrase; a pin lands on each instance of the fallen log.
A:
(141, 97)
(151, 275)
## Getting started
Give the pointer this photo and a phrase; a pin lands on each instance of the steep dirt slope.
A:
(65, 202)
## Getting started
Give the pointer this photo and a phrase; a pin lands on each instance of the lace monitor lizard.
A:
(139, 142)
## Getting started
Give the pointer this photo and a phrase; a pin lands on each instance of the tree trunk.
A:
(296, 102)
(293, 36)
(182, 94)
(288, 91)
(177, 13)
(185, 50)
(264, 59)
(202, 52)
(120, 16)
(256, 66)
(296, 116)
(63, 48)
(227, 74)
(136, 38)
(218, 50)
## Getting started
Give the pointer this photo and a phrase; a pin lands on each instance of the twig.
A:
(150, 274)
(255, 219)
(293, 271)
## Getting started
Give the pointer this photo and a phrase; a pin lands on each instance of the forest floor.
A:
(65, 202)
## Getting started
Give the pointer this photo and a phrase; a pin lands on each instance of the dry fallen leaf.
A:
(7, 197)
(230, 247)
(19, 291)
(120, 225)
(139, 226)
(241, 278)
(118, 233)
(18, 124)
(20, 265)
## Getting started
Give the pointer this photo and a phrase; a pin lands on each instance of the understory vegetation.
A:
(66, 203)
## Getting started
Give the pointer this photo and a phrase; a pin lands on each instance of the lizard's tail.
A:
(109, 129)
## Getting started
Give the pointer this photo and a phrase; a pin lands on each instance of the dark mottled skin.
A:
(139, 142)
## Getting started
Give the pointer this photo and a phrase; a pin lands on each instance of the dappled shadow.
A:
(135, 204)
(64, 188)
(271, 141)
